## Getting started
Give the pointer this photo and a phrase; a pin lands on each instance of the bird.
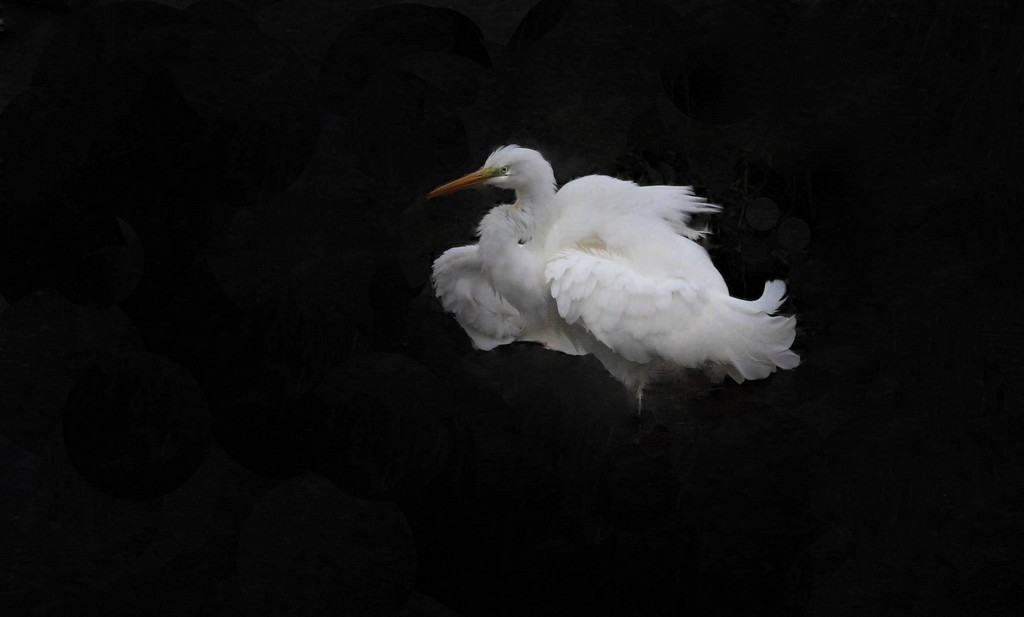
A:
(606, 267)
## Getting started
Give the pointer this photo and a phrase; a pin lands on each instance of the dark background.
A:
(226, 388)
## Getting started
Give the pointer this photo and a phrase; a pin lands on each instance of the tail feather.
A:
(763, 339)
(772, 298)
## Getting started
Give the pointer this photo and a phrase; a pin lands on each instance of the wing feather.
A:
(463, 288)
(673, 206)
(487, 317)
(645, 318)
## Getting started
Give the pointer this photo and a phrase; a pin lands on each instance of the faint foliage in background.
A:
(229, 195)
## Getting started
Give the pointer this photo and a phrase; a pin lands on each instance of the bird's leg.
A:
(640, 384)
(639, 414)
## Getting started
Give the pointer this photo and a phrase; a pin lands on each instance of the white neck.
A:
(536, 196)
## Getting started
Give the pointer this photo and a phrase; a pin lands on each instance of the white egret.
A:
(605, 267)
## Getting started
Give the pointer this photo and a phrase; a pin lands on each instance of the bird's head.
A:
(509, 167)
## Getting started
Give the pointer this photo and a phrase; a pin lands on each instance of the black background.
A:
(226, 388)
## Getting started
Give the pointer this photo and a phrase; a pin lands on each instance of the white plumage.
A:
(606, 267)
(464, 290)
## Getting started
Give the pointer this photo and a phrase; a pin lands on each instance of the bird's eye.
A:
(504, 169)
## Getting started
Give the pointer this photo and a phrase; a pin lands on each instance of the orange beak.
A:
(477, 177)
